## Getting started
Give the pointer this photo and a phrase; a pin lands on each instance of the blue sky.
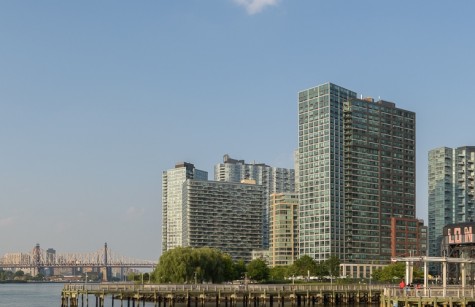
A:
(97, 98)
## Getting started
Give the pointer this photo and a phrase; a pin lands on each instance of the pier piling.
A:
(232, 295)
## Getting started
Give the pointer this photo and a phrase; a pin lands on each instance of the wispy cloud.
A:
(255, 6)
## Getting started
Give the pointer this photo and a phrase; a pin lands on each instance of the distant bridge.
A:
(39, 259)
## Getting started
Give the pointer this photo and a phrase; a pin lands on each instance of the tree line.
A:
(8, 276)
(198, 265)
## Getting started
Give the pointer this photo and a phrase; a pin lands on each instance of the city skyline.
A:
(98, 99)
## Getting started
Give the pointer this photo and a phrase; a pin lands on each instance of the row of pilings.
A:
(76, 298)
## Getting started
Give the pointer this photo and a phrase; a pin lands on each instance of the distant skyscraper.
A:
(172, 202)
(356, 171)
(451, 191)
(223, 215)
(274, 179)
(283, 228)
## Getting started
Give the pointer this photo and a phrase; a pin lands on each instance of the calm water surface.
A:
(30, 295)
(41, 295)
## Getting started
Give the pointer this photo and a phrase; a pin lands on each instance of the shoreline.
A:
(13, 281)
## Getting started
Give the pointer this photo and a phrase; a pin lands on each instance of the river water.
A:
(30, 294)
(41, 295)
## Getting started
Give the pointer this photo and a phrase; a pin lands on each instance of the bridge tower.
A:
(107, 270)
(37, 258)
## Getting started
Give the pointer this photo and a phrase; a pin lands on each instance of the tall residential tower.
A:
(321, 171)
(356, 172)
(380, 181)
(451, 191)
(172, 202)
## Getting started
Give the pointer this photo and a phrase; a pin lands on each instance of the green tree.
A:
(321, 270)
(2, 274)
(391, 272)
(176, 265)
(6, 275)
(239, 269)
(39, 277)
(395, 272)
(218, 266)
(332, 265)
(377, 274)
(258, 270)
(304, 266)
(132, 276)
(187, 265)
(19, 275)
(278, 273)
(145, 277)
(418, 273)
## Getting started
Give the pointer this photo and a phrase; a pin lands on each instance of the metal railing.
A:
(219, 287)
(433, 291)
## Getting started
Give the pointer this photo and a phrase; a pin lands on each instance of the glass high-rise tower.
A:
(321, 171)
(356, 172)
(451, 190)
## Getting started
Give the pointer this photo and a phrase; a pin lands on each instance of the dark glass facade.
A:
(380, 180)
